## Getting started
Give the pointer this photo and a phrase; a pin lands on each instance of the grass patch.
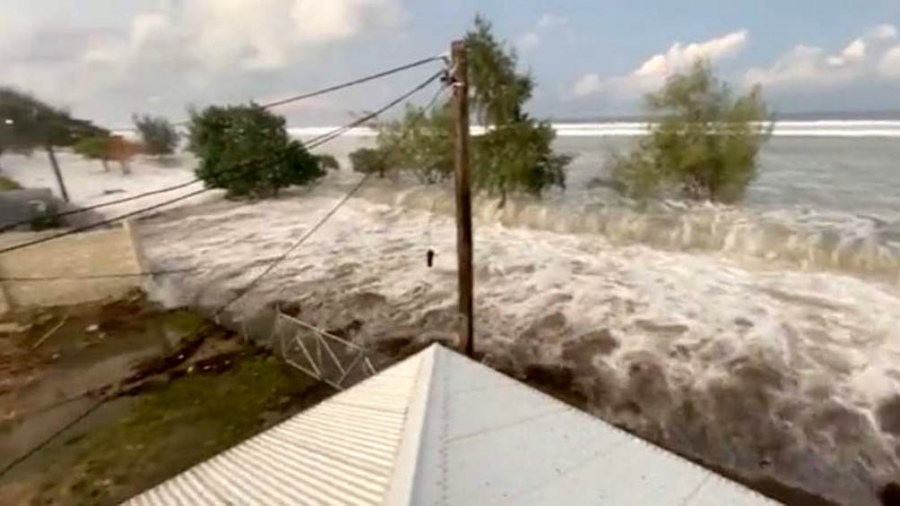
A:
(184, 321)
(171, 428)
(7, 184)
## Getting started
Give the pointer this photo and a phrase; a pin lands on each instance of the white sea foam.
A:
(833, 128)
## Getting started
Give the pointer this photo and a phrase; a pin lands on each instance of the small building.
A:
(439, 428)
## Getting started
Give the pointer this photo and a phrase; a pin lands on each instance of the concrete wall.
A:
(110, 252)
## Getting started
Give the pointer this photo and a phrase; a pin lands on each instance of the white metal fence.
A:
(320, 354)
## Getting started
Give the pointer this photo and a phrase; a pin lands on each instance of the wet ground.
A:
(97, 442)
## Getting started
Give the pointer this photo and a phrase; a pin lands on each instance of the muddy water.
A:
(760, 368)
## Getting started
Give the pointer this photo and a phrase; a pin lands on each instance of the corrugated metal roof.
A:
(339, 452)
(441, 429)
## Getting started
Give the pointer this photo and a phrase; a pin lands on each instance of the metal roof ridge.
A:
(402, 480)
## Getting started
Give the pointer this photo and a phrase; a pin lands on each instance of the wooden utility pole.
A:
(460, 80)
(56, 172)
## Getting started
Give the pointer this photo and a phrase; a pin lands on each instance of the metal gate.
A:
(320, 354)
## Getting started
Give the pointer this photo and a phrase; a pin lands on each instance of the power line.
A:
(318, 225)
(348, 84)
(84, 414)
(96, 276)
(275, 263)
(100, 223)
(104, 204)
(336, 87)
(322, 140)
(338, 131)
(326, 137)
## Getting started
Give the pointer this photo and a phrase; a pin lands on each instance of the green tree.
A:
(94, 148)
(246, 150)
(27, 123)
(369, 161)
(515, 155)
(158, 135)
(703, 143)
(420, 143)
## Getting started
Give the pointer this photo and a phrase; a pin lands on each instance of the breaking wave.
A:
(866, 246)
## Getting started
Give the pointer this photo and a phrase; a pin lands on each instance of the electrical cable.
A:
(100, 223)
(96, 276)
(348, 84)
(337, 132)
(268, 105)
(247, 289)
(7, 228)
(337, 87)
(323, 140)
(293, 247)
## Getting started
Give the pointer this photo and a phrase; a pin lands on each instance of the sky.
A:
(108, 59)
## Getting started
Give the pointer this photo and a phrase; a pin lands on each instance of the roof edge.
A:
(406, 462)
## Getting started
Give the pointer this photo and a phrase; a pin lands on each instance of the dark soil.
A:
(169, 390)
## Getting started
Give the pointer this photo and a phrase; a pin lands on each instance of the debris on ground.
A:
(153, 392)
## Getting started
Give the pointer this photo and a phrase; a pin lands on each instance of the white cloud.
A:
(528, 41)
(258, 34)
(869, 57)
(533, 38)
(588, 85)
(551, 20)
(177, 47)
(653, 72)
(889, 66)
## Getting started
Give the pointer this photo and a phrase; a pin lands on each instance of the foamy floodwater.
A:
(823, 128)
(766, 371)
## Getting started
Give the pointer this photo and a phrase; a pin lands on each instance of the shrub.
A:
(94, 148)
(158, 135)
(328, 162)
(369, 161)
(246, 151)
(7, 184)
(703, 145)
(518, 159)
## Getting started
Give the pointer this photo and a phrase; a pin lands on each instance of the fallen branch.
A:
(50, 333)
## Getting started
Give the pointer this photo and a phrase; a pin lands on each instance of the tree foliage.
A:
(514, 155)
(246, 150)
(328, 162)
(703, 144)
(27, 123)
(518, 159)
(419, 143)
(94, 148)
(158, 135)
(369, 161)
(498, 92)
